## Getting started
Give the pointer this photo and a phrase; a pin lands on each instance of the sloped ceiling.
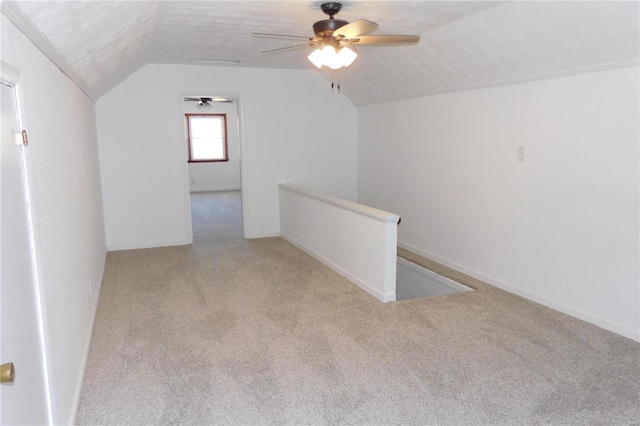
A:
(463, 44)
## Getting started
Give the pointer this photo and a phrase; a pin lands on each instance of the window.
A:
(207, 137)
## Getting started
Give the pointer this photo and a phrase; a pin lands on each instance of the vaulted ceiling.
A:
(463, 44)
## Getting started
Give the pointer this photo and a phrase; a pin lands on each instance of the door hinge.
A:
(25, 139)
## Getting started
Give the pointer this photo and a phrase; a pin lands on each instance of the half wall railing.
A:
(356, 241)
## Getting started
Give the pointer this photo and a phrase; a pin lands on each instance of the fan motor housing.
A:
(326, 27)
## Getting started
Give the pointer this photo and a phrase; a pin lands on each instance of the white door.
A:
(23, 401)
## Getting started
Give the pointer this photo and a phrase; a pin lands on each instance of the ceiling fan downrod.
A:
(326, 27)
(331, 8)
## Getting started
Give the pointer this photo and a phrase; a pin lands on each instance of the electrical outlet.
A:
(91, 286)
(193, 180)
(521, 153)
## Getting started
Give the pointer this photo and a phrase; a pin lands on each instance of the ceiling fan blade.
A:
(386, 40)
(286, 49)
(284, 36)
(206, 99)
(356, 28)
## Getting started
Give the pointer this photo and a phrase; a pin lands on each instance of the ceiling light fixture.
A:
(205, 101)
(332, 58)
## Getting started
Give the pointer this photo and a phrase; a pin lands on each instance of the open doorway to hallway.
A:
(213, 155)
(216, 214)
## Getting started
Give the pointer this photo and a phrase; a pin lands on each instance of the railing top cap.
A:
(371, 212)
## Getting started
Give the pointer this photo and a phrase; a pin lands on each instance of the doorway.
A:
(212, 135)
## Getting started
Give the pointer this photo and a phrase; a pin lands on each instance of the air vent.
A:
(218, 61)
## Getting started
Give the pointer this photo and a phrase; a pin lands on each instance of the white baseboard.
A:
(383, 297)
(251, 236)
(234, 188)
(87, 345)
(150, 245)
(550, 303)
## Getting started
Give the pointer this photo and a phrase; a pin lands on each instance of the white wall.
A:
(63, 173)
(294, 129)
(218, 176)
(560, 228)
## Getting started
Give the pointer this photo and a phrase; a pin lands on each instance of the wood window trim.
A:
(224, 128)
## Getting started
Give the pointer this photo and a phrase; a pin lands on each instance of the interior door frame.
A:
(244, 193)
(10, 76)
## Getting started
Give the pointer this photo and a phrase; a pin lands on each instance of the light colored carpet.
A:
(230, 331)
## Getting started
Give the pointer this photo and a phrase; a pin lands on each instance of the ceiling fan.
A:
(202, 101)
(336, 39)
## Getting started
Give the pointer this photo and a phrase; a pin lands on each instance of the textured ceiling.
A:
(463, 44)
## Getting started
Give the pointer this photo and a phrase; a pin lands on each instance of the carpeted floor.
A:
(230, 331)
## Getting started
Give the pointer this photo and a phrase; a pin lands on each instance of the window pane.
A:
(207, 136)
(206, 127)
(207, 149)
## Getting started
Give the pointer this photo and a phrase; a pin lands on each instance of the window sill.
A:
(208, 161)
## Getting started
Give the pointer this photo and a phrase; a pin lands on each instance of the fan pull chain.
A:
(335, 84)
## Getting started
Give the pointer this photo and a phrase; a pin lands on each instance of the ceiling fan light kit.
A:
(328, 56)
(335, 39)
